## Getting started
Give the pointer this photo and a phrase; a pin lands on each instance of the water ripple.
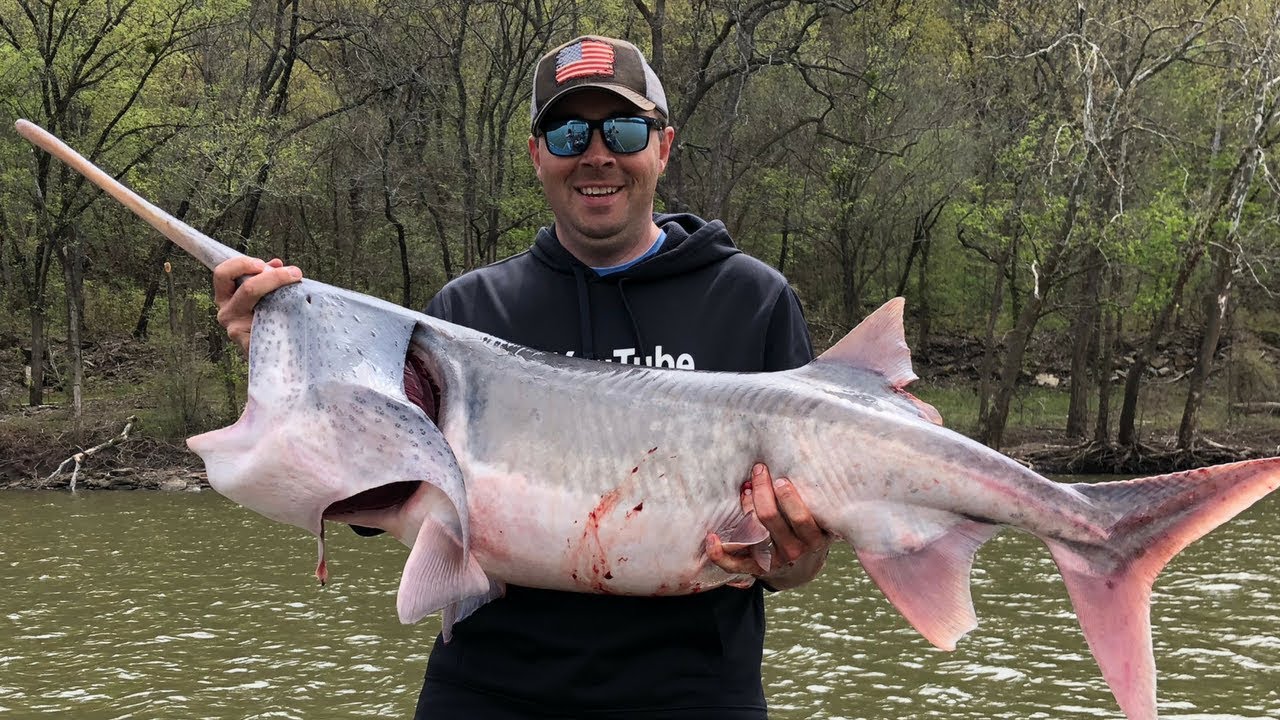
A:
(152, 606)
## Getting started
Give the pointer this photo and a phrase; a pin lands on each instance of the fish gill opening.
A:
(423, 390)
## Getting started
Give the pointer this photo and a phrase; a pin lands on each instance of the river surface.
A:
(181, 605)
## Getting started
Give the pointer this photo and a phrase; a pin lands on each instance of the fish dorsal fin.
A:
(877, 344)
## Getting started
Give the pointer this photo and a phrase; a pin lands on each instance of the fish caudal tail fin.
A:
(1110, 583)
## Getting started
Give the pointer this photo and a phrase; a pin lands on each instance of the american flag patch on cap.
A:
(581, 59)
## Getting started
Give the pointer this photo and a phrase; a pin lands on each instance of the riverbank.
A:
(38, 448)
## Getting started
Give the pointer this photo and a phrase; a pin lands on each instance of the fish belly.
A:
(573, 486)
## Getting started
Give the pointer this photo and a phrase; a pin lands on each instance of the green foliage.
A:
(857, 133)
(186, 383)
(112, 309)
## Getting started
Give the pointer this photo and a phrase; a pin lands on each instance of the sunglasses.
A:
(622, 135)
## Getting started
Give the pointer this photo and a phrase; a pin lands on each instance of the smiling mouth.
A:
(598, 191)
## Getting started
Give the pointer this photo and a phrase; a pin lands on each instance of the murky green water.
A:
(151, 605)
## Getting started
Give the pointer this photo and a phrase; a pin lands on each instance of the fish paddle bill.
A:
(208, 251)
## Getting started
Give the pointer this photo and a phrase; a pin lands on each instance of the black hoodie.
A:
(699, 303)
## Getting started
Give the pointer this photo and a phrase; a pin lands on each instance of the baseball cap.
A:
(592, 61)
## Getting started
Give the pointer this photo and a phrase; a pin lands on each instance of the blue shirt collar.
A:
(653, 250)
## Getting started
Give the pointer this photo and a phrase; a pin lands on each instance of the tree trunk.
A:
(159, 258)
(173, 302)
(74, 278)
(850, 252)
(159, 264)
(35, 396)
(1217, 303)
(442, 237)
(252, 202)
(1230, 194)
(786, 239)
(1106, 363)
(993, 425)
(988, 369)
(1191, 256)
(1224, 253)
(8, 288)
(924, 313)
(402, 243)
(1084, 330)
(1127, 434)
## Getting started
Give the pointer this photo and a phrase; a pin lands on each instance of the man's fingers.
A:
(764, 498)
(226, 273)
(236, 304)
(730, 563)
(241, 303)
(748, 506)
(798, 516)
(271, 277)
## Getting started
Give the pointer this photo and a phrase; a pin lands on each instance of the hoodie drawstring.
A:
(586, 333)
(641, 350)
(586, 336)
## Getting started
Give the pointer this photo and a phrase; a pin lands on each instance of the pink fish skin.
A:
(495, 463)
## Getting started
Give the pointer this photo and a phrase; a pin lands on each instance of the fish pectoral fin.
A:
(929, 584)
(749, 534)
(438, 573)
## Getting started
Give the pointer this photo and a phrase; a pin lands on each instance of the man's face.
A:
(602, 201)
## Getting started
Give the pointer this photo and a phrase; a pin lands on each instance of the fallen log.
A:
(80, 456)
(1256, 408)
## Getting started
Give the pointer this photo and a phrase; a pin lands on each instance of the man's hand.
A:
(799, 545)
(235, 305)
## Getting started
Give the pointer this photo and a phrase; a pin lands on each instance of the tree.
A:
(1260, 69)
(80, 71)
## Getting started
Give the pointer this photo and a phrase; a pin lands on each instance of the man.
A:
(612, 281)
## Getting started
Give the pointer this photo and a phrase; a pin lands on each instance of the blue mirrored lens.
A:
(568, 138)
(626, 135)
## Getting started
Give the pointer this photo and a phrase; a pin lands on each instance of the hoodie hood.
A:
(691, 243)
(696, 303)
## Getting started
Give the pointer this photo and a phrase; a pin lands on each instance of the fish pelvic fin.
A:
(461, 610)
(748, 534)
(441, 570)
(1110, 583)
(929, 582)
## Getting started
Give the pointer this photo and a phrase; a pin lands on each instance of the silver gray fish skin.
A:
(626, 469)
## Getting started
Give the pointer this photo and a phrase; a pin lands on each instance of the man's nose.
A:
(597, 152)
